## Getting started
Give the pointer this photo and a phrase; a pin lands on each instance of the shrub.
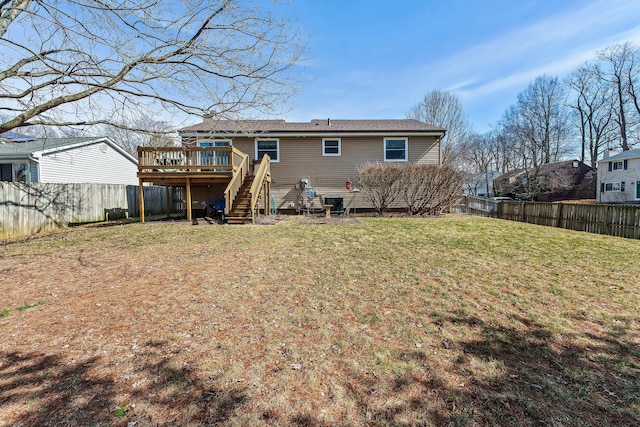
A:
(423, 188)
(380, 183)
(429, 188)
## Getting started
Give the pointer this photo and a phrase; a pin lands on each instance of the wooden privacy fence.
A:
(32, 208)
(481, 206)
(614, 220)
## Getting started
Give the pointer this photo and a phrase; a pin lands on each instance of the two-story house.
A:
(619, 178)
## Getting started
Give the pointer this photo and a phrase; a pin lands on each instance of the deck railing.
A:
(188, 159)
(188, 164)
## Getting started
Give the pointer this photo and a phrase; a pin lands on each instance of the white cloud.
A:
(555, 45)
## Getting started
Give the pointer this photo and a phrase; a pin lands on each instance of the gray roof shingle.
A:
(630, 154)
(211, 124)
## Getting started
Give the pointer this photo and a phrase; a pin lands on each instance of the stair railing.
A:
(262, 175)
(240, 171)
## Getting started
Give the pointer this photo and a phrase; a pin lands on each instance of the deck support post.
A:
(267, 198)
(141, 200)
(188, 190)
(269, 195)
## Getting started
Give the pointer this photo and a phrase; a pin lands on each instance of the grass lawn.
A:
(451, 321)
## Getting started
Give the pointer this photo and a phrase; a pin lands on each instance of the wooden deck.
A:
(191, 167)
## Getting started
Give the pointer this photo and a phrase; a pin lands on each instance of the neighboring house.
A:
(567, 180)
(65, 160)
(619, 178)
(308, 162)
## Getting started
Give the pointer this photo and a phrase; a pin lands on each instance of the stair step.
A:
(238, 220)
(241, 210)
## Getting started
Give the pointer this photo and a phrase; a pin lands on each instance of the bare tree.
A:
(505, 154)
(539, 122)
(69, 62)
(619, 68)
(148, 133)
(592, 101)
(444, 109)
(480, 154)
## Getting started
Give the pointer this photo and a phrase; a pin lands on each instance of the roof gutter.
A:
(103, 139)
(16, 156)
(310, 134)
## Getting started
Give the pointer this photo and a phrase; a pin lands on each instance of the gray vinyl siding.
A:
(88, 163)
(301, 158)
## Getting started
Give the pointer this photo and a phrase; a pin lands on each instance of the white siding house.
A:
(619, 178)
(67, 160)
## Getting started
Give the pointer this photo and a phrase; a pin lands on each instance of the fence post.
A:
(559, 219)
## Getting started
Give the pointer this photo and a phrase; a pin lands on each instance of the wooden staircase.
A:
(240, 212)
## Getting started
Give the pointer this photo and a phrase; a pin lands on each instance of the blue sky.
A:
(372, 59)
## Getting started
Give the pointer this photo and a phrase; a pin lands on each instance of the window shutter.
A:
(626, 164)
(622, 185)
(602, 187)
(610, 166)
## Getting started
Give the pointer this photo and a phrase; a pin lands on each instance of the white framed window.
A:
(613, 186)
(618, 165)
(396, 149)
(21, 172)
(269, 146)
(331, 146)
(15, 172)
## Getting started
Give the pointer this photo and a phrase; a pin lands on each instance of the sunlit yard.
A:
(454, 320)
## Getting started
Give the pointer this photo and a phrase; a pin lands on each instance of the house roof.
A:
(324, 126)
(44, 145)
(630, 154)
(565, 167)
(29, 147)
